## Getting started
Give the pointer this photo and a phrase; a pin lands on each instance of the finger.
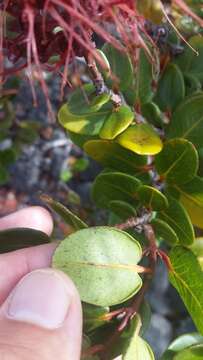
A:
(34, 217)
(41, 318)
(16, 264)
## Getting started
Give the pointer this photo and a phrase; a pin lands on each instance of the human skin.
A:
(40, 310)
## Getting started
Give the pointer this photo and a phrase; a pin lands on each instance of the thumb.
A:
(41, 319)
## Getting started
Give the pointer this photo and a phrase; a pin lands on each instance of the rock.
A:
(159, 334)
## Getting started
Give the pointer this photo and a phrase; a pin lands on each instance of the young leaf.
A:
(98, 260)
(177, 218)
(114, 156)
(187, 121)
(115, 186)
(71, 219)
(19, 238)
(191, 196)
(116, 123)
(171, 88)
(141, 139)
(178, 161)
(121, 67)
(152, 198)
(187, 277)
(164, 231)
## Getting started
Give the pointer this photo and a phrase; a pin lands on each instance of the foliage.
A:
(141, 117)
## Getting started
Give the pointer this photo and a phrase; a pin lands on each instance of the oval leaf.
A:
(94, 316)
(116, 123)
(141, 139)
(187, 121)
(115, 186)
(195, 352)
(187, 278)
(178, 161)
(138, 349)
(98, 260)
(176, 217)
(164, 231)
(152, 114)
(71, 219)
(152, 198)
(144, 78)
(19, 238)
(122, 209)
(171, 88)
(114, 156)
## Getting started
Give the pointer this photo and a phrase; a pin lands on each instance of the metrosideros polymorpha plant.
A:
(141, 117)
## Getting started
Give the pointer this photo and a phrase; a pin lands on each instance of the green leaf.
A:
(85, 100)
(187, 121)
(7, 156)
(164, 231)
(138, 349)
(152, 198)
(115, 186)
(192, 84)
(141, 139)
(98, 260)
(177, 218)
(181, 343)
(19, 238)
(94, 316)
(191, 196)
(187, 278)
(122, 209)
(152, 114)
(71, 219)
(189, 62)
(114, 156)
(178, 161)
(80, 139)
(116, 123)
(195, 352)
(86, 344)
(144, 79)
(121, 67)
(171, 88)
(4, 175)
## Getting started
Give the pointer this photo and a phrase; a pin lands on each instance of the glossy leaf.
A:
(122, 209)
(85, 100)
(152, 198)
(98, 260)
(152, 114)
(164, 231)
(187, 278)
(178, 161)
(116, 123)
(141, 139)
(71, 219)
(191, 196)
(171, 88)
(111, 154)
(187, 121)
(195, 352)
(19, 238)
(121, 67)
(115, 186)
(94, 316)
(177, 218)
(181, 343)
(138, 349)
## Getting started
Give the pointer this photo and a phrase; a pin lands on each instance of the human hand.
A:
(40, 311)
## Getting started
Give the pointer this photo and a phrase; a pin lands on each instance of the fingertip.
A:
(34, 217)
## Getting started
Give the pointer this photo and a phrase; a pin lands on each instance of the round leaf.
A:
(138, 349)
(152, 114)
(99, 260)
(195, 352)
(152, 198)
(178, 161)
(115, 186)
(122, 209)
(116, 123)
(141, 139)
(113, 155)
